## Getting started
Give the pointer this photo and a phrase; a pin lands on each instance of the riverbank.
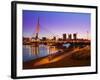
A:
(73, 58)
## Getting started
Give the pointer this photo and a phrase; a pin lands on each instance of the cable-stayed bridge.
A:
(35, 38)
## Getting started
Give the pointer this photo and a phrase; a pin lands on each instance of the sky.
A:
(56, 23)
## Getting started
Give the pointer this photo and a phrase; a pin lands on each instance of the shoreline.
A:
(76, 58)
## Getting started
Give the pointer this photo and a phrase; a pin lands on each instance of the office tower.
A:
(74, 36)
(69, 36)
(64, 36)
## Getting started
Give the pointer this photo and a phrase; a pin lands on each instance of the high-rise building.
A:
(64, 36)
(69, 36)
(74, 36)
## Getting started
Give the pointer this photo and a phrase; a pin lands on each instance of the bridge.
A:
(36, 40)
(86, 42)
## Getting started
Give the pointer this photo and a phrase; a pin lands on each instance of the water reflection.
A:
(31, 52)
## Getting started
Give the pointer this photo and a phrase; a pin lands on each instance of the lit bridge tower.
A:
(35, 48)
(37, 30)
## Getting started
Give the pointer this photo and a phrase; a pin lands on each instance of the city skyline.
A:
(56, 23)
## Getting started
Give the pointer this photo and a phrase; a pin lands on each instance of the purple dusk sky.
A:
(56, 23)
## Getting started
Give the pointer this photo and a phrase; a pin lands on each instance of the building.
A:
(69, 36)
(64, 37)
(44, 38)
(74, 36)
(54, 38)
(26, 39)
(59, 39)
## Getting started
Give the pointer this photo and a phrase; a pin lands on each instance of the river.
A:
(32, 52)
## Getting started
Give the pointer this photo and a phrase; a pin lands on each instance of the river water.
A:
(30, 52)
